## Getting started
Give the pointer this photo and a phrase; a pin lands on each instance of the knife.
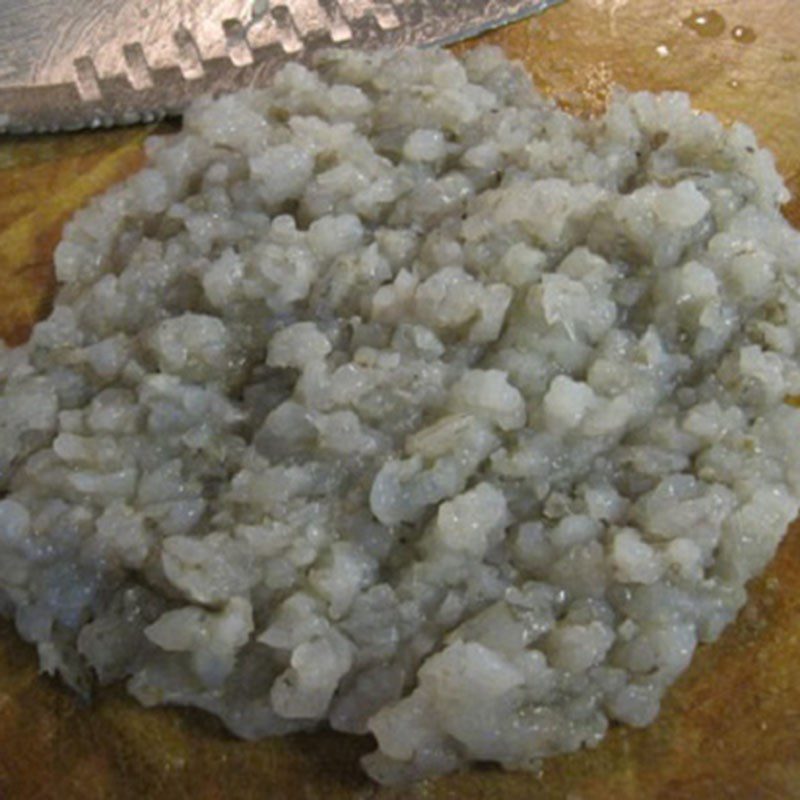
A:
(68, 64)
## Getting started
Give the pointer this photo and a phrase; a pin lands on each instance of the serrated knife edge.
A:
(129, 60)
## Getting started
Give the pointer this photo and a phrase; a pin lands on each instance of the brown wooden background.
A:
(730, 729)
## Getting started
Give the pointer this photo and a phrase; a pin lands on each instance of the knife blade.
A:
(67, 64)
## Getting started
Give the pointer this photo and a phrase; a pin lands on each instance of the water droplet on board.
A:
(662, 50)
(550, 35)
(733, 83)
(743, 35)
(707, 24)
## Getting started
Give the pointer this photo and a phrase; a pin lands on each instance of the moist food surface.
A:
(394, 398)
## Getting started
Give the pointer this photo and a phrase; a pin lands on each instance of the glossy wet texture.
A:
(739, 704)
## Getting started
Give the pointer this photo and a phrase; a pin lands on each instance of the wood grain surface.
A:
(729, 729)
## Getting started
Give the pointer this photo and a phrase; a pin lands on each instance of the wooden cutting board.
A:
(730, 728)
